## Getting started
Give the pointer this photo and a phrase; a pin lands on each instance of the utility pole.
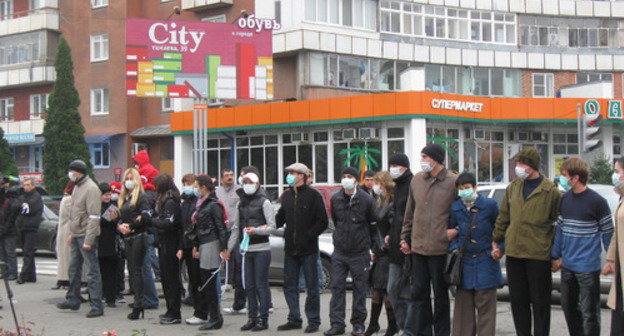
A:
(579, 123)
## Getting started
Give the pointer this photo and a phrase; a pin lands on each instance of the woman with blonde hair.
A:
(383, 189)
(134, 216)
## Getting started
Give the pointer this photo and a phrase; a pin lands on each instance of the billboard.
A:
(181, 59)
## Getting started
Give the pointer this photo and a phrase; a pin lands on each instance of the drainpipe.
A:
(232, 151)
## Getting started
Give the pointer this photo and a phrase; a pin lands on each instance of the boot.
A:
(373, 324)
(136, 312)
(393, 328)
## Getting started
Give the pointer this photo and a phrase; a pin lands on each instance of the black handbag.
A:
(453, 266)
(405, 283)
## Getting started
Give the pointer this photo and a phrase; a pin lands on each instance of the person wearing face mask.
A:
(471, 224)
(615, 255)
(355, 234)
(402, 176)
(84, 225)
(584, 224)
(303, 214)
(424, 239)
(369, 182)
(256, 218)
(525, 224)
(108, 249)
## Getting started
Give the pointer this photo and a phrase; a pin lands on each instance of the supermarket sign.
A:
(614, 108)
(182, 59)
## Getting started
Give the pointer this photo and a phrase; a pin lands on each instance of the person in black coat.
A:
(108, 246)
(167, 222)
(10, 209)
(28, 222)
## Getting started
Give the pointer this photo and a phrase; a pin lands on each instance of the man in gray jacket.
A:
(84, 225)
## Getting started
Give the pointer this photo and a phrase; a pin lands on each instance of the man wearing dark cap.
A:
(401, 174)
(525, 228)
(84, 225)
(424, 237)
(355, 234)
(369, 182)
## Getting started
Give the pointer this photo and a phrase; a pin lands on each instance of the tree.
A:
(7, 161)
(601, 171)
(63, 130)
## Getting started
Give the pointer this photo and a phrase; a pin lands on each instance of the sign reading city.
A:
(456, 105)
(182, 59)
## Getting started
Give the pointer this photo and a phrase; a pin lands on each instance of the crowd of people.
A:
(394, 234)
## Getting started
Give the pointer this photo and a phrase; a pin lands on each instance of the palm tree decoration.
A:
(361, 157)
(442, 141)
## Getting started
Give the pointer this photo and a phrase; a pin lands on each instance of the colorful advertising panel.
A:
(181, 59)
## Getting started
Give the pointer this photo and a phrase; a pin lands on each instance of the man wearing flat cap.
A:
(424, 239)
(303, 213)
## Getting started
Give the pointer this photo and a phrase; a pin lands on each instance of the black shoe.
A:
(136, 312)
(170, 320)
(392, 330)
(373, 328)
(311, 328)
(188, 301)
(261, 325)
(111, 304)
(213, 324)
(333, 331)
(249, 325)
(65, 305)
(20, 281)
(289, 326)
(83, 300)
(358, 331)
(57, 286)
(95, 313)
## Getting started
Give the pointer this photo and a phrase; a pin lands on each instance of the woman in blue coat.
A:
(475, 300)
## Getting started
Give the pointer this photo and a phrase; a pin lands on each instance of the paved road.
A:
(35, 307)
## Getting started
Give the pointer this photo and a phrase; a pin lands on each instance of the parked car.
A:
(497, 192)
(46, 235)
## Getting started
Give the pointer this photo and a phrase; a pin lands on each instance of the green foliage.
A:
(359, 154)
(601, 171)
(7, 161)
(63, 130)
(139, 332)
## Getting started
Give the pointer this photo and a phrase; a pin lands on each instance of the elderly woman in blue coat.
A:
(471, 226)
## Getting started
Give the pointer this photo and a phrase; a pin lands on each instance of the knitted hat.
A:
(351, 171)
(105, 188)
(78, 166)
(530, 157)
(399, 159)
(434, 151)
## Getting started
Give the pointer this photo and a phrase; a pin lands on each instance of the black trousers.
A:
(358, 265)
(209, 297)
(29, 240)
(580, 300)
(617, 315)
(192, 267)
(109, 268)
(170, 276)
(136, 248)
(240, 297)
(530, 287)
(121, 275)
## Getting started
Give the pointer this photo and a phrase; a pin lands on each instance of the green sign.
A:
(592, 107)
(615, 109)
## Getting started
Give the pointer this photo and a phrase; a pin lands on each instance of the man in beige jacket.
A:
(84, 225)
(424, 236)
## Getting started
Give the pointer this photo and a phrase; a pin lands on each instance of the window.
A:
(617, 145)
(16, 54)
(472, 81)
(6, 109)
(99, 101)
(588, 37)
(99, 47)
(167, 104)
(217, 18)
(100, 155)
(565, 144)
(543, 85)
(6, 9)
(540, 36)
(38, 105)
(350, 13)
(99, 3)
(586, 77)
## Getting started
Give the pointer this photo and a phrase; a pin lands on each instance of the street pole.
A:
(579, 123)
(10, 297)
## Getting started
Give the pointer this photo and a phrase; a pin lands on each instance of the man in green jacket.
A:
(525, 228)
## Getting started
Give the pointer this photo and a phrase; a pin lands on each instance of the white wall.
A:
(588, 90)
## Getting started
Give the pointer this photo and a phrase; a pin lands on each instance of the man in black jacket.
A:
(27, 223)
(353, 213)
(303, 213)
(10, 209)
(402, 176)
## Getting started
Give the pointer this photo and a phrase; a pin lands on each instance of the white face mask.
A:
(71, 176)
(348, 183)
(129, 184)
(426, 167)
(521, 172)
(114, 197)
(240, 180)
(377, 189)
(615, 178)
(249, 189)
(395, 172)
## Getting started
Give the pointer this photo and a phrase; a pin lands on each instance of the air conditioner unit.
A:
(137, 147)
(367, 133)
(298, 137)
(349, 133)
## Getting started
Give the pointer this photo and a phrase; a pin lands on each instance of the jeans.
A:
(428, 271)
(136, 251)
(321, 279)
(530, 286)
(150, 294)
(29, 241)
(400, 306)
(78, 257)
(257, 283)
(580, 300)
(8, 255)
(109, 266)
(343, 264)
(293, 267)
(170, 267)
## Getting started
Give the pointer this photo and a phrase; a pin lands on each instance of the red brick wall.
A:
(564, 78)
(21, 99)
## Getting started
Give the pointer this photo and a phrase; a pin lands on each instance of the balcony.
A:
(198, 5)
(38, 19)
(27, 76)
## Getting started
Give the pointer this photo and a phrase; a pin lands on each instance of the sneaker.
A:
(232, 311)
(226, 288)
(121, 300)
(194, 320)
(271, 310)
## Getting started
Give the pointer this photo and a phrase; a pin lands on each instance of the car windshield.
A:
(49, 214)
